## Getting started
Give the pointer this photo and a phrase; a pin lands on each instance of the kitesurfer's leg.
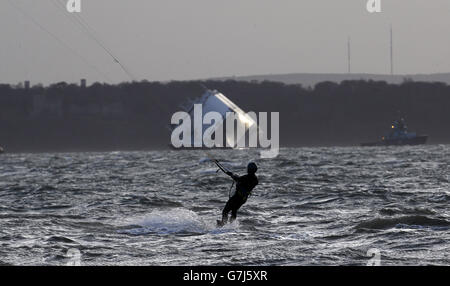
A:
(235, 209)
(233, 215)
(233, 204)
(225, 211)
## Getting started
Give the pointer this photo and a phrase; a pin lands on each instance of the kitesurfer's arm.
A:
(235, 177)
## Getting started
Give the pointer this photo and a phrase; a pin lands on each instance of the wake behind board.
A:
(222, 224)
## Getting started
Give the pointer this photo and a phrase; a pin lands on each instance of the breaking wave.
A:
(173, 221)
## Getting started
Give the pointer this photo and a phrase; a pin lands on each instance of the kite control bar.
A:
(220, 166)
(226, 172)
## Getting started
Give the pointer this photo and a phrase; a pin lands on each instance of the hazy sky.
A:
(191, 39)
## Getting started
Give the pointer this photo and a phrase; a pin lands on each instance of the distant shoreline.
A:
(24, 152)
(311, 79)
(136, 116)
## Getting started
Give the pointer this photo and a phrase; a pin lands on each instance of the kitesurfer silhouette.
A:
(244, 186)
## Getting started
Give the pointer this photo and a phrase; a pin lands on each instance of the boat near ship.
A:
(399, 136)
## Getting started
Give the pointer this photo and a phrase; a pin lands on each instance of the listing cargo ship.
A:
(399, 135)
(214, 101)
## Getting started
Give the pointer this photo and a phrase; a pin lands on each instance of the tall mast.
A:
(349, 55)
(392, 53)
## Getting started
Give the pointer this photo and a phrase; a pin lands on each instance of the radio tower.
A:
(392, 54)
(349, 55)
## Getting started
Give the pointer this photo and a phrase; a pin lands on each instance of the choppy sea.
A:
(313, 206)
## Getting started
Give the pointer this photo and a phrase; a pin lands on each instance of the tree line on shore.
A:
(136, 115)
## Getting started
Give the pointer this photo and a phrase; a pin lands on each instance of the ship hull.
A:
(419, 140)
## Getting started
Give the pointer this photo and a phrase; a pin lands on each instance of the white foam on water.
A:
(174, 221)
(177, 220)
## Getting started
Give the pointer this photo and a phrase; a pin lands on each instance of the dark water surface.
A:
(314, 206)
